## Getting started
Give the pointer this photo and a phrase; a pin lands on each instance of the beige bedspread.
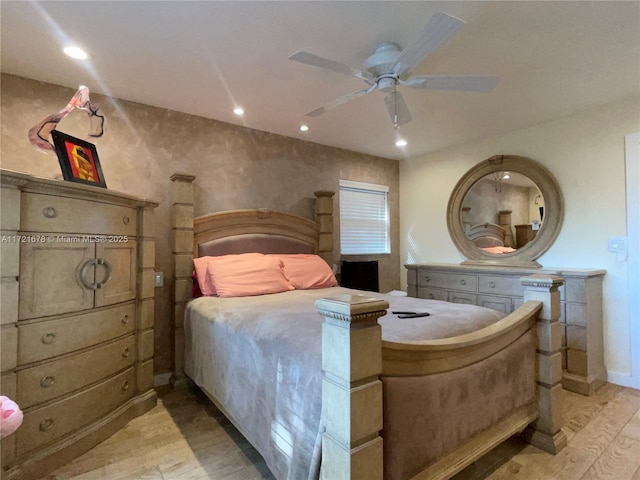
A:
(259, 357)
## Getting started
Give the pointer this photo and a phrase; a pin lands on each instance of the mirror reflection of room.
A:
(502, 212)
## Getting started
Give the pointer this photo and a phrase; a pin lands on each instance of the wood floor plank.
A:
(186, 438)
(144, 474)
(621, 458)
(533, 463)
(578, 410)
(600, 432)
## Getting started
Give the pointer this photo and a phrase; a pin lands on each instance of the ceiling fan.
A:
(389, 67)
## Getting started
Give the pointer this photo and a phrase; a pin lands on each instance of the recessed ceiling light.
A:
(238, 111)
(304, 128)
(76, 52)
(401, 143)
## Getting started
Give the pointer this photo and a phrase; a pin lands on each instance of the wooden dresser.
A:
(77, 265)
(499, 288)
(524, 234)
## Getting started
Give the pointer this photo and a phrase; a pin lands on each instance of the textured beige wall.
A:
(235, 167)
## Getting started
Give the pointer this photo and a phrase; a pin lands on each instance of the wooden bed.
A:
(356, 362)
(487, 235)
(492, 238)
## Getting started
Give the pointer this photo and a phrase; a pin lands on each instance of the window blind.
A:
(364, 218)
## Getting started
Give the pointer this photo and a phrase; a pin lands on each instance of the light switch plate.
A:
(159, 279)
(618, 245)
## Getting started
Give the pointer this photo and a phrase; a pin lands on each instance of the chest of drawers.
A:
(77, 317)
(500, 289)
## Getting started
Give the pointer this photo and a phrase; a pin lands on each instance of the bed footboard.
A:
(354, 357)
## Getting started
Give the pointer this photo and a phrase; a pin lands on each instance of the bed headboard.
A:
(261, 230)
(231, 232)
(487, 235)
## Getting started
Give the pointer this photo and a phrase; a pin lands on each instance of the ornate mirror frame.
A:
(553, 215)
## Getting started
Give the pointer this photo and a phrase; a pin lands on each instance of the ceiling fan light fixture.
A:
(389, 65)
(238, 111)
(75, 52)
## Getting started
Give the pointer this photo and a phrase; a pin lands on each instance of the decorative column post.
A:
(182, 248)
(465, 219)
(9, 293)
(504, 217)
(351, 388)
(324, 216)
(545, 432)
(146, 296)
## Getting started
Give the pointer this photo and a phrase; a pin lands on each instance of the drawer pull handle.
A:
(48, 338)
(82, 275)
(49, 212)
(125, 352)
(492, 284)
(125, 220)
(125, 319)
(107, 273)
(46, 424)
(463, 282)
(125, 385)
(427, 278)
(47, 382)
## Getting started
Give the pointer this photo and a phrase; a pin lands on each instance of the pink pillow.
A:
(499, 249)
(306, 271)
(246, 274)
(200, 264)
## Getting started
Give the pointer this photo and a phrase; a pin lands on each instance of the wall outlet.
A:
(159, 279)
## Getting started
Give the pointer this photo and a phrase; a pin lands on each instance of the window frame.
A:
(385, 221)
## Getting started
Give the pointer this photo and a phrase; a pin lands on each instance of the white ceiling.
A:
(202, 58)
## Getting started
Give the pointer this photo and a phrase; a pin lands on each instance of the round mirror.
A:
(506, 210)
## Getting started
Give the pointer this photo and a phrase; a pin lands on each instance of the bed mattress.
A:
(260, 359)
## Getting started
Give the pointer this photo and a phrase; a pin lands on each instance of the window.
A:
(364, 218)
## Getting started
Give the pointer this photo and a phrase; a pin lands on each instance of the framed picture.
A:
(78, 160)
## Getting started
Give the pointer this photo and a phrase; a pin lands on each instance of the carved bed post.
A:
(182, 248)
(545, 432)
(324, 216)
(351, 388)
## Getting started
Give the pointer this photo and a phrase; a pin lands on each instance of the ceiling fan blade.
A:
(321, 62)
(462, 83)
(440, 28)
(339, 101)
(398, 110)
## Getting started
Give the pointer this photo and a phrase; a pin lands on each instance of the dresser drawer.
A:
(46, 213)
(39, 341)
(499, 285)
(501, 304)
(576, 314)
(462, 297)
(45, 382)
(432, 294)
(43, 425)
(451, 281)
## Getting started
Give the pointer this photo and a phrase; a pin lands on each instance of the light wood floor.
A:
(186, 438)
